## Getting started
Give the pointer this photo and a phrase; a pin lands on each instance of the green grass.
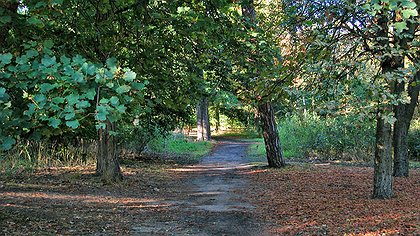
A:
(184, 147)
(27, 156)
(414, 164)
(179, 145)
(256, 151)
(241, 133)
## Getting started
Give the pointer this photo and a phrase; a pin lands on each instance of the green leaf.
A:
(54, 122)
(82, 104)
(100, 126)
(78, 60)
(31, 110)
(57, 100)
(33, 20)
(65, 60)
(3, 94)
(110, 84)
(104, 101)
(7, 143)
(74, 124)
(78, 77)
(48, 61)
(57, 2)
(46, 87)
(90, 94)
(121, 108)
(407, 13)
(48, 43)
(72, 99)
(138, 86)
(130, 76)
(90, 70)
(181, 10)
(40, 98)
(5, 19)
(409, 4)
(101, 113)
(111, 62)
(22, 60)
(69, 116)
(123, 89)
(32, 53)
(114, 101)
(6, 58)
(400, 26)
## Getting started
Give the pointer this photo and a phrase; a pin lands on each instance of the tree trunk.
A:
(382, 180)
(382, 183)
(271, 136)
(404, 114)
(217, 117)
(203, 120)
(107, 165)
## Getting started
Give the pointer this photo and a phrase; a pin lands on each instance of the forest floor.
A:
(221, 195)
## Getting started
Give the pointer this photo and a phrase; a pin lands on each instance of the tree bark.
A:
(271, 136)
(404, 114)
(107, 165)
(203, 120)
(217, 117)
(383, 183)
(382, 180)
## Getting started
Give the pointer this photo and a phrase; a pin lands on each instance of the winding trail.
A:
(211, 204)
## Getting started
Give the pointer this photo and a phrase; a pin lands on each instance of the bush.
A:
(414, 140)
(327, 138)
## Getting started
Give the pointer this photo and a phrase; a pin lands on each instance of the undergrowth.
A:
(177, 144)
(29, 155)
(323, 138)
(339, 138)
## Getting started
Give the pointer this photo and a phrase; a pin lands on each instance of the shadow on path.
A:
(211, 204)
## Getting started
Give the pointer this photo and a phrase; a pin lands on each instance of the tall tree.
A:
(264, 108)
(409, 87)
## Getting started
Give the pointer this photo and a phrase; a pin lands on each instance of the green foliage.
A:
(59, 96)
(414, 140)
(339, 138)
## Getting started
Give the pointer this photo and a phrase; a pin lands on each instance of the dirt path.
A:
(211, 204)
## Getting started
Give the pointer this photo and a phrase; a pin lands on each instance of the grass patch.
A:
(414, 164)
(256, 151)
(241, 133)
(179, 145)
(31, 155)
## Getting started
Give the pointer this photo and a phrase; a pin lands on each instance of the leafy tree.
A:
(258, 68)
(380, 34)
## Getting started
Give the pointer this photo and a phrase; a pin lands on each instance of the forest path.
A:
(211, 203)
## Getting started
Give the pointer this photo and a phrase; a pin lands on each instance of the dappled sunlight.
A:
(206, 193)
(89, 199)
(212, 167)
